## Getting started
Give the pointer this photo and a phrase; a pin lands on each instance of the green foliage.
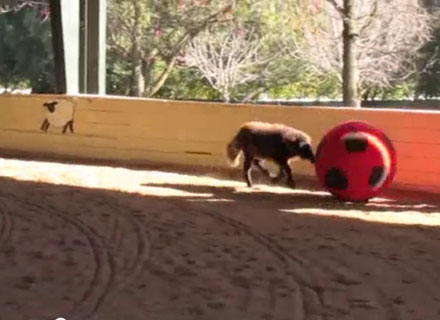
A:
(185, 83)
(164, 24)
(118, 75)
(428, 84)
(308, 85)
(398, 91)
(26, 51)
(149, 34)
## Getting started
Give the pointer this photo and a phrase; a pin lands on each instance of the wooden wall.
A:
(195, 133)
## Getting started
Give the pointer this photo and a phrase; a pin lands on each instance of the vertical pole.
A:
(58, 46)
(70, 19)
(83, 46)
(93, 46)
(79, 44)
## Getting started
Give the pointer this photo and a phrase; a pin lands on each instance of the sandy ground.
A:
(88, 242)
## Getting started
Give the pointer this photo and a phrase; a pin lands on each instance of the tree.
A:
(17, 5)
(26, 51)
(186, 84)
(228, 60)
(244, 58)
(367, 43)
(149, 35)
(428, 81)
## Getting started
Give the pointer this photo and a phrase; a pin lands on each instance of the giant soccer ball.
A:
(355, 161)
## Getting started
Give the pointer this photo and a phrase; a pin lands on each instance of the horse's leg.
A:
(247, 168)
(288, 171)
(266, 172)
(280, 174)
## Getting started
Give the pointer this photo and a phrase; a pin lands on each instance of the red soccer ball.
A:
(355, 161)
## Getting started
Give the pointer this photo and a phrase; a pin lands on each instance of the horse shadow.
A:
(308, 198)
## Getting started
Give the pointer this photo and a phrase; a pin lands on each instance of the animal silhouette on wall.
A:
(59, 114)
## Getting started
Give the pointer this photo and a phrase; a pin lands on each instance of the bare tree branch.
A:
(16, 5)
(229, 60)
(338, 8)
(389, 34)
(158, 31)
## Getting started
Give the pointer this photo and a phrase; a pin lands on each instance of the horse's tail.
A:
(233, 152)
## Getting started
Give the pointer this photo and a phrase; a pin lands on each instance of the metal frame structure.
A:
(78, 37)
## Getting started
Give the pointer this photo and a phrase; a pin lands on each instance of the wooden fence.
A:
(195, 133)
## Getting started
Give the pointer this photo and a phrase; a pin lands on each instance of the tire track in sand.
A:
(143, 241)
(6, 224)
(306, 292)
(104, 282)
(103, 262)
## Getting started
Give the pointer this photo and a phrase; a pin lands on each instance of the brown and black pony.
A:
(279, 143)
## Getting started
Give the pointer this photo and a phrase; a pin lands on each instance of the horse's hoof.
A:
(274, 179)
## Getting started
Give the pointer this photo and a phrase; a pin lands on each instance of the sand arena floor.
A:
(95, 242)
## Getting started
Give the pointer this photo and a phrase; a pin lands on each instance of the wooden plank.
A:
(198, 128)
(172, 145)
(402, 119)
(414, 135)
(196, 133)
(419, 164)
(209, 127)
(104, 117)
(22, 140)
(139, 155)
(411, 149)
(414, 178)
(102, 147)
